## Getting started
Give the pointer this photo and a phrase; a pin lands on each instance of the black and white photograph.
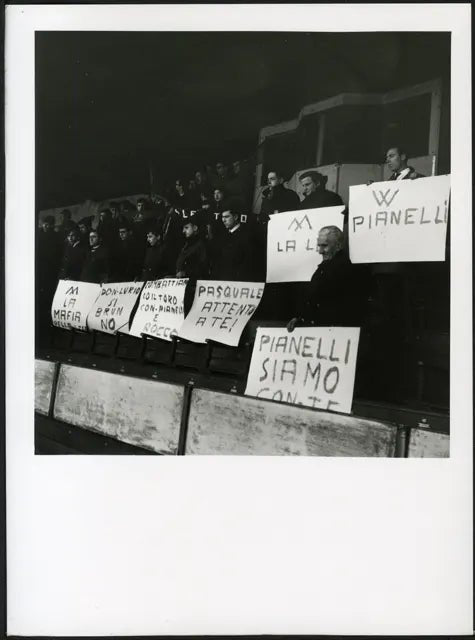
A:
(246, 254)
(238, 328)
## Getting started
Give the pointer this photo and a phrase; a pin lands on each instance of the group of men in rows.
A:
(217, 240)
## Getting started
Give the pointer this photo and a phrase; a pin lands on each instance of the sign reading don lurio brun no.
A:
(399, 220)
(312, 366)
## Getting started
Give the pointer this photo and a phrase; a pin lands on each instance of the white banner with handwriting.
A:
(399, 220)
(292, 251)
(72, 302)
(112, 310)
(221, 310)
(160, 312)
(311, 366)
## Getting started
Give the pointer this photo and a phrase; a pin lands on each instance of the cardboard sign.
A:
(160, 312)
(221, 310)
(72, 303)
(313, 366)
(399, 220)
(292, 253)
(112, 310)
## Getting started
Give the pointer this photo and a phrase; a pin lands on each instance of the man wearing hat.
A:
(193, 260)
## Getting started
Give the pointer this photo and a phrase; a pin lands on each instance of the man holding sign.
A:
(338, 290)
(292, 242)
(400, 220)
(313, 367)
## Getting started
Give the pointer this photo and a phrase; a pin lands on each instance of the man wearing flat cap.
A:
(193, 260)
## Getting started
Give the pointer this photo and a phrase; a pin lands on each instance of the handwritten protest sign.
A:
(113, 308)
(221, 310)
(292, 254)
(313, 366)
(72, 303)
(160, 312)
(399, 220)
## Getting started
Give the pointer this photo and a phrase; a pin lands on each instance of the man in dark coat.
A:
(396, 159)
(277, 198)
(193, 261)
(232, 251)
(338, 290)
(157, 262)
(49, 248)
(128, 257)
(97, 264)
(73, 258)
(107, 227)
(315, 194)
(65, 225)
(85, 226)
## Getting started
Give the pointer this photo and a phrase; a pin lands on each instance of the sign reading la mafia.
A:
(160, 312)
(72, 302)
(292, 249)
(221, 310)
(113, 308)
(399, 220)
(311, 366)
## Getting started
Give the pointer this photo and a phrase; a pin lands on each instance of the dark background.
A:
(109, 105)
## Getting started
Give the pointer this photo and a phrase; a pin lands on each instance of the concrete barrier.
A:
(140, 412)
(226, 424)
(428, 444)
(44, 378)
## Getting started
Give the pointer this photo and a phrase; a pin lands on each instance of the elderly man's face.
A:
(327, 245)
(308, 186)
(394, 160)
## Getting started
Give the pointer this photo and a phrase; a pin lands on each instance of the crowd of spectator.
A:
(203, 229)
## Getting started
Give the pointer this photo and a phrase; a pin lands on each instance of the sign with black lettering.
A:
(292, 250)
(221, 310)
(160, 312)
(112, 310)
(72, 303)
(399, 220)
(312, 366)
